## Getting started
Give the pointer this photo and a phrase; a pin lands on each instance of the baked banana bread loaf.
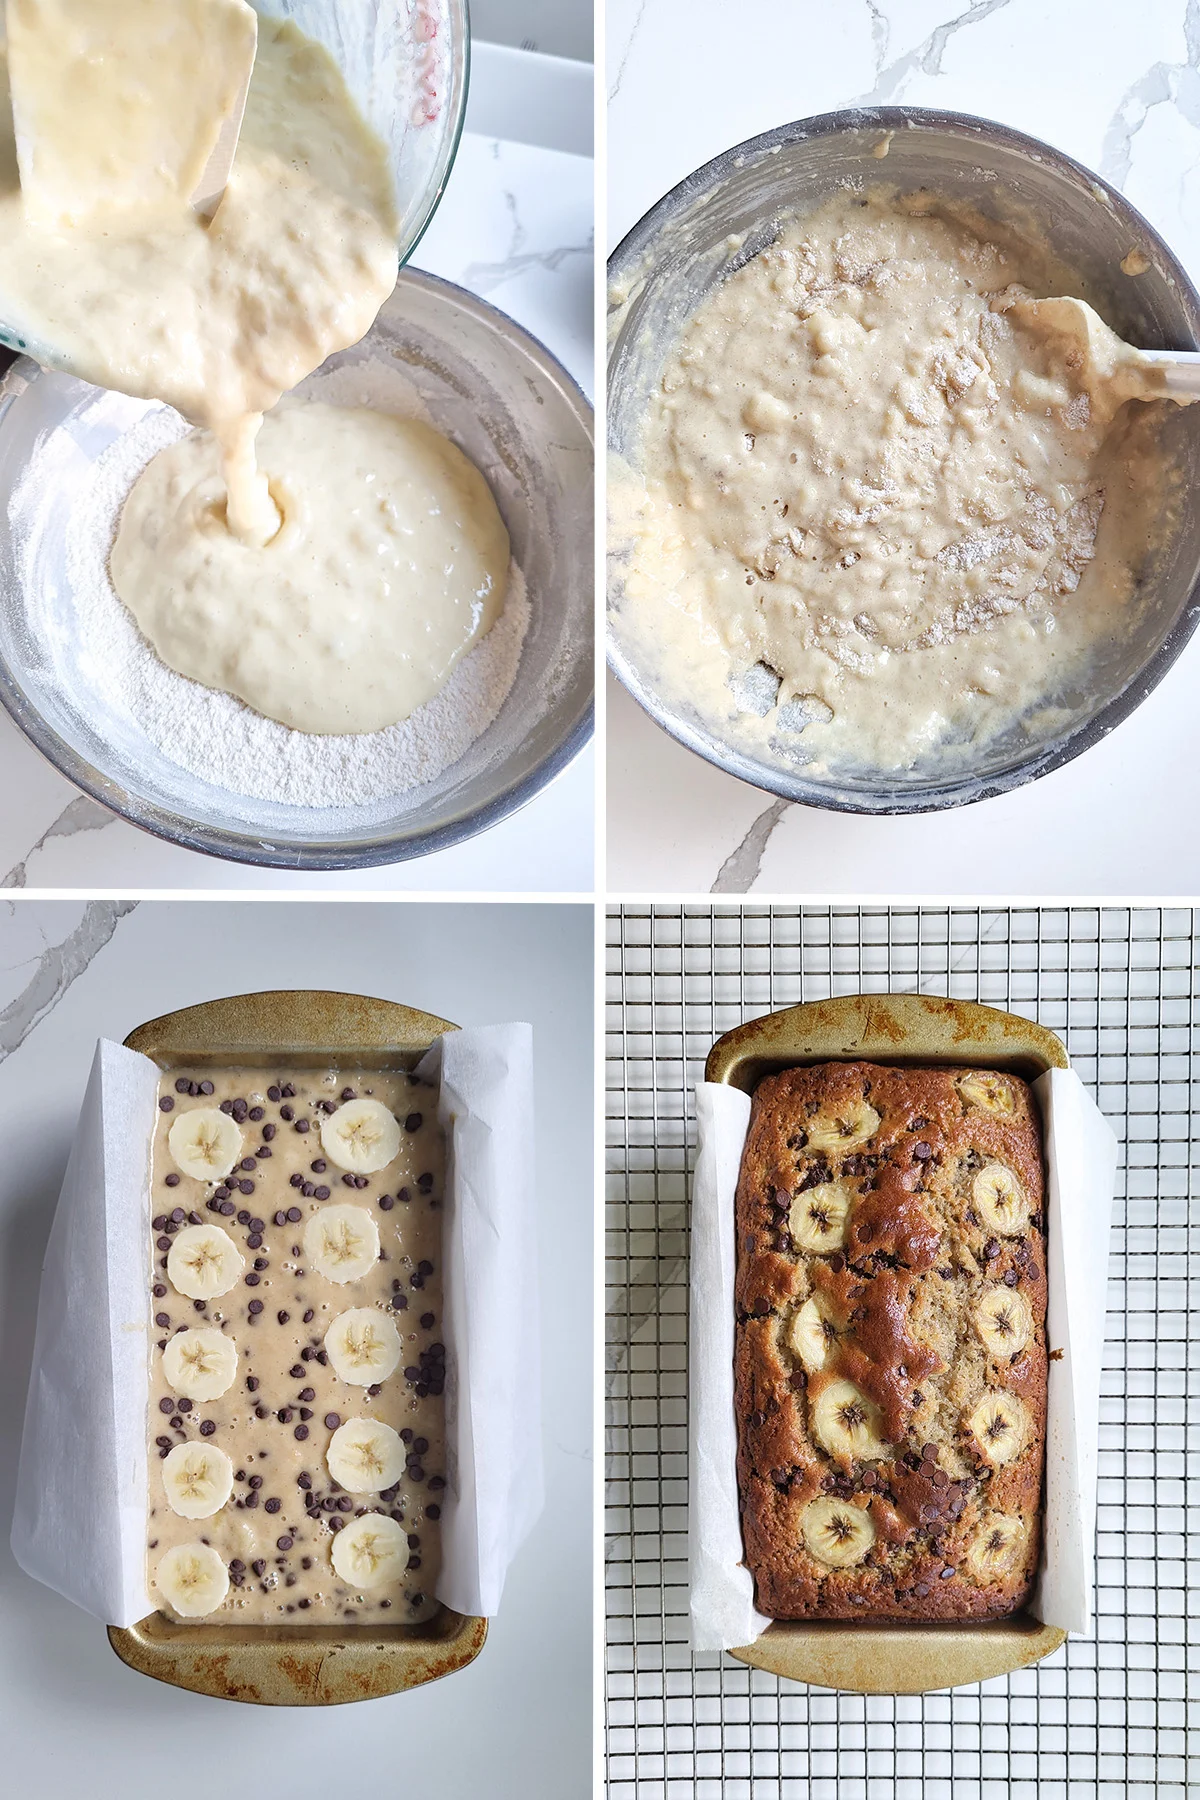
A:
(891, 1343)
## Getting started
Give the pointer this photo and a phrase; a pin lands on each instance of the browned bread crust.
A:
(891, 1343)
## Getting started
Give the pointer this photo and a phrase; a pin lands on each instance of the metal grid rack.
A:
(1116, 1715)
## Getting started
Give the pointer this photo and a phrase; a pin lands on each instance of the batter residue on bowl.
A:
(878, 514)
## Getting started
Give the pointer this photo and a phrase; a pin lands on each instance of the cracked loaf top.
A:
(891, 1343)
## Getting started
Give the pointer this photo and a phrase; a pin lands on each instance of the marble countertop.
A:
(515, 226)
(683, 84)
(517, 1722)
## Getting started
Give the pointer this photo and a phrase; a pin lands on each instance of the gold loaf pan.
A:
(295, 1665)
(923, 1031)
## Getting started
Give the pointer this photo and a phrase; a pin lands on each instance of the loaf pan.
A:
(295, 1665)
(921, 1031)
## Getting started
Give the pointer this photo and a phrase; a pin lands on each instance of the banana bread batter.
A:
(392, 561)
(297, 1457)
(332, 571)
(882, 512)
(221, 319)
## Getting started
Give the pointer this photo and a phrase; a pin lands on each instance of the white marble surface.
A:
(515, 1725)
(515, 225)
(1117, 87)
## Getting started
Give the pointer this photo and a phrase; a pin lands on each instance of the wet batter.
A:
(883, 508)
(296, 1330)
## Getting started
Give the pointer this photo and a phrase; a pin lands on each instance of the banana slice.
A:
(361, 1136)
(201, 1362)
(1001, 1426)
(363, 1345)
(814, 1333)
(1000, 1200)
(370, 1551)
(205, 1143)
(990, 1093)
(818, 1217)
(998, 1546)
(204, 1262)
(836, 1533)
(192, 1579)
(364, 1456)
(845, 1129)
(1003, 1321)
(846, 1423)
(198, 1479)
(341, 1242)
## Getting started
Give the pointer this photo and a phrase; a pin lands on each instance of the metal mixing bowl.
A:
(729, 210)
(516, 413)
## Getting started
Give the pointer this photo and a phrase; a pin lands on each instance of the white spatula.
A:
(1128, 373)
(127, 105)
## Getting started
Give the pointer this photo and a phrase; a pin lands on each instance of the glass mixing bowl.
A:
(406, 62)
(730, 209)
(510, 407)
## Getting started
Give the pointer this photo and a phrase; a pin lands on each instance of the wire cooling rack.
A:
(1116, 1715)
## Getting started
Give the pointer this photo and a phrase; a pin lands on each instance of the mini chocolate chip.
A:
(333, 1420)
(413, 1122)
(294, 1215)
(433, 1512)
(166, 1104)
(165, 1405)
(207, 1428)
(335, 1524)
(252, 1280)
(256, 1307)
(386, 1202)
(272, 1505)
(301, 1126)
(172, 1180)
(308, 1315)
(285, 1112)
(162, 1320)
(322, 1193)
(284, 1542)
(300, 1432)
